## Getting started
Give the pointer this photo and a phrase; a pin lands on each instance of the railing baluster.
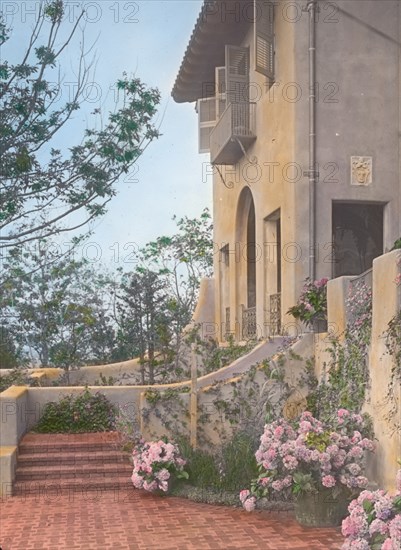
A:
(237, 121)
(275, 313)
(249, 323)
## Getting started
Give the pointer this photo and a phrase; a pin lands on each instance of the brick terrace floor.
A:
(132, 520)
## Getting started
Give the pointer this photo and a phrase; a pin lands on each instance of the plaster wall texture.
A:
(386, 299)
(13, 403)
(8, 464)
(386, 303)
(269, 190)
(86, 375)
(204, 314)
(358, 111)
(337, 294)
(91, 374)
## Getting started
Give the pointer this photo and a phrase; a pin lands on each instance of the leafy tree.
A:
(10, 355)
(181, 261)
(57, 308)
(67, 314)
(43, 190)
(156, 302)
(143, 318)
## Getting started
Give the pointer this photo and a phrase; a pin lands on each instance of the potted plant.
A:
(321, 465)
(156, 465)
(311, 307)
(374, 521)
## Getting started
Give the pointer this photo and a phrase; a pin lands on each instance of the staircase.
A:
(66, 464)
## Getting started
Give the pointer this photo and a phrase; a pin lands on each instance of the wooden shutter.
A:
(206, 109)
(264, 38)
(221, 97)
(237, 74)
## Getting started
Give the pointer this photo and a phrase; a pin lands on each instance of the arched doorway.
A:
(246, 264)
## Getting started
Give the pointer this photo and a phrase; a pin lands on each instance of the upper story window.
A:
(264, 38)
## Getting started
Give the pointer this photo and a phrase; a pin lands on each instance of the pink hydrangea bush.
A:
(154, 464)
(374, 521)
(312, 303)
(308, 455)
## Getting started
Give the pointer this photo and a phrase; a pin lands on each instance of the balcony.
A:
(233, 134)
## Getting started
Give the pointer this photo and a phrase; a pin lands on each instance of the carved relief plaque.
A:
(361, 170)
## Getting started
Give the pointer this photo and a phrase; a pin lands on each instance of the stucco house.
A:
(298, 105)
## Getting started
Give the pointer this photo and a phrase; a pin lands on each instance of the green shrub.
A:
(397, 244)
(203, 470)
(201, 466)
(16, 377)
(228, 469)
(81, 413)
(238, 462)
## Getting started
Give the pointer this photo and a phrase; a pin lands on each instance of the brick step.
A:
(70, 443)
(50, 465)
(78, 457)
(71, 447)
(26, 473)
(56, 488)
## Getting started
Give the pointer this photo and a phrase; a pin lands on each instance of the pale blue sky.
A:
(148, 38)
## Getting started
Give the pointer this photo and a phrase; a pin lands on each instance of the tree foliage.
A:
(43, 190)
(182, 260)
(65, 312)
(57, 309)
(144, 317)
(160, 299)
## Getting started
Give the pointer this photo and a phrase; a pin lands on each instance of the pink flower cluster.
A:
(312, 303)
(248, 501)
(154, 462)
(374, 521)
(321, 283)
(332, 455)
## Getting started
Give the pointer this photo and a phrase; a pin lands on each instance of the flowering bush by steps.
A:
(155, 462)
(374, 522)
(307, 455)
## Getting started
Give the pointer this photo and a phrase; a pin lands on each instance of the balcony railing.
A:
(248, 323)
(275, 314)
(227, 327)
(233, 133)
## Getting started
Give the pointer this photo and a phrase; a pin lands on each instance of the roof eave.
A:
(205, 50)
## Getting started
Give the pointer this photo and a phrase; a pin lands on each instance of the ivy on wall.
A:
(345, 379)
(393, 344)
(242, 404)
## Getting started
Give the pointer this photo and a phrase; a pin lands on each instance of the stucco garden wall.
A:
(387, 427)
(22, 407)
(386, 300)
(90, 374)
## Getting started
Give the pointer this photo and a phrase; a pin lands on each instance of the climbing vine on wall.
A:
(393, 344)
(225, 407)
(345, 379)
(170, 408)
